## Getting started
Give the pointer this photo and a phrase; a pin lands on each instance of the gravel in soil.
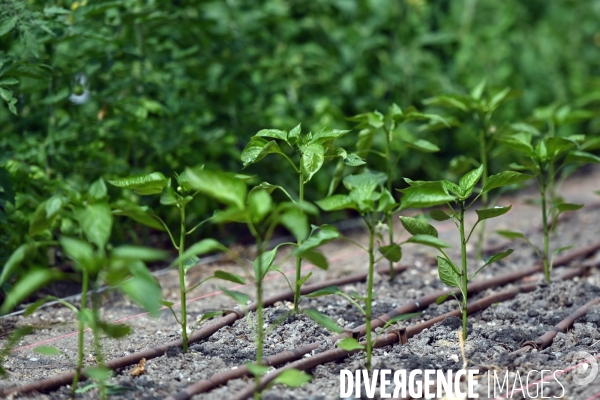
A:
(494, 332)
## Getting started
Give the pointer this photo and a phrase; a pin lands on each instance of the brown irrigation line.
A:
(547, 338)
(416, 305)
(228, 319)
(395, 337)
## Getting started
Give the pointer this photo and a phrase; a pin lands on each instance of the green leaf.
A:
(28, 284)
(316, 258)
(428, 240)
(202, 247)
(323, 320)
(96, 222)
(273, 133)
(421, 144)
(80, 251)
(353, 160)
(304, 278)
(400, 318)
(324, 234)
(439, 215)
(392, 252)
(561, 249)
(266, 261)
(428, 195)
(98, 373)
(294, 135)
(239, 297)
(47, 350)
(15, 259)
(511, 234)
(7, 25)
(98, 189)
(478, 90)
(563, 207)
(491, 212)
(470, 179)
(115, 331)
(292, 378)
(144, 291)
(296, 222)
(221, 186)
(210, 315)
(497, 257)
(416, 226)
(143, 184)
(34, 306)
(325, 292)
(139, 253)
(227, 276)
(520, 142)
(337, 202)
(257, 370)
(259, 204)
(313, 157)
(349, 344)
(40, 221)
(443, 298)
(325, 135)
(505, 178)
(447, 274)
(257, 149)
(144, 215)
(8, 81)
(497, 98)
(582, 157)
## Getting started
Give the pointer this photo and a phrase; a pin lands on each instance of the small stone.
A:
(454, 357)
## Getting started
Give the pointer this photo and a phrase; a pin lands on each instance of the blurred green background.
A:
(112, 88)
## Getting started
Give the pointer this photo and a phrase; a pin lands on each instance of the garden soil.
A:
(493, 333)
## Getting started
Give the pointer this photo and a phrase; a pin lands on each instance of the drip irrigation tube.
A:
(416, 305)
(228, 319)
(547, 338)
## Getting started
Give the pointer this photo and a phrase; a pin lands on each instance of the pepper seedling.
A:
(98, 263)
(479, 106)
(545, 157)
(227, 189)
(312, 149)
(397, 139)
(373, 201)
(421, 194)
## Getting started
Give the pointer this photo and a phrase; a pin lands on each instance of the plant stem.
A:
(299, 258)
(390, 220)
(82, 307)
(259, 316)
(370, 293)
(543, 189)
(182, 280)
(484, 176)
(96, 334)
(463, 250)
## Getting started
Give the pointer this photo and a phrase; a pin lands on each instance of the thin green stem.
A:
(543, 189)
(182, 291)
(96, 336)
(84, 291)
(299, 258)
(168, 231)
(390, 220)
(484, 176)
(198, 226)
(370, 294)
(292, 163)
(259, 314)
(463, 250)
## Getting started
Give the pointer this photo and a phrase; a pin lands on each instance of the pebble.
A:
(454, 357)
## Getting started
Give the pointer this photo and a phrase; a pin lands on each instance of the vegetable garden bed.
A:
(494, 333)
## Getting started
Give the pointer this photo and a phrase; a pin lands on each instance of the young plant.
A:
(373, 201)
(546, 157)
(312, 150)
(396, 138)
(480, 109)
(427, 194)
(261, 215)
(156, 183)
(96, 263)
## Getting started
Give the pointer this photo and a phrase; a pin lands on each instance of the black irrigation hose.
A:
(416, 305)
(400, 336)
